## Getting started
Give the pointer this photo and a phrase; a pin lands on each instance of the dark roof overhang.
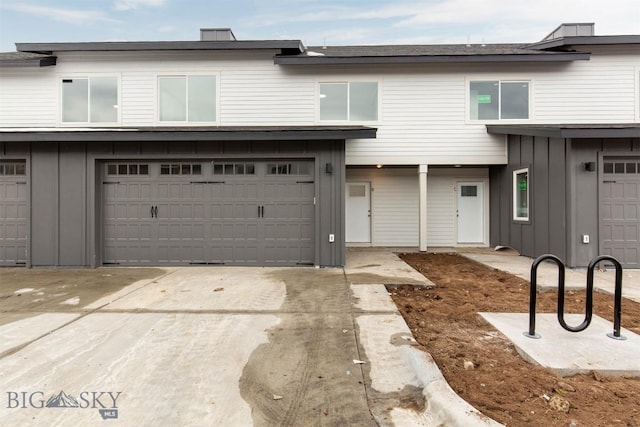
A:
(163, 134)
(26, 59)
(585, 40)
(419, 59)
(631, 130)
(287, 46)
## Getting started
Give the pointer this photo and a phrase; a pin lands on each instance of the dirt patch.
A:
(25, 292)
(482, 366)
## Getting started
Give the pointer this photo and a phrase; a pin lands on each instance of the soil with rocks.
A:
(482, 365)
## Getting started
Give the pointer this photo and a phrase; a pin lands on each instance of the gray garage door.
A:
(13, 213)
(231, 212)
(620, 213)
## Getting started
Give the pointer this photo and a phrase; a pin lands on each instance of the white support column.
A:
(422, 179)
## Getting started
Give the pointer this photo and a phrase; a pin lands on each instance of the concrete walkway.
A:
(230, 346)
(604, 281)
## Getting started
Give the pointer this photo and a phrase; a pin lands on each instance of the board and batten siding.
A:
(394, 204)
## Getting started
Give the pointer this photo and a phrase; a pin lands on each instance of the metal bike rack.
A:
(617, 310)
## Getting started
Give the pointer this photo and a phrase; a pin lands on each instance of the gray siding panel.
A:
(44, 204)
(540, 196)
(557, 199)
(72, 205)
(545, 231)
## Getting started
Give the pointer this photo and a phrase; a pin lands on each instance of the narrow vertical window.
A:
(521, 195)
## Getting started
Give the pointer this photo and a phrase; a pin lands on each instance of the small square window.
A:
(122, 169)
(619, 167)
(196, 169)
(133, 169)
(469, 191)
(143, 169)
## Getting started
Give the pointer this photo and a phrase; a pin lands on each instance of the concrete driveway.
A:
(218, 346)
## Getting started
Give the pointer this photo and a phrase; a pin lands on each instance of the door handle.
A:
(155, 211)
(262, 212)
(151, 211)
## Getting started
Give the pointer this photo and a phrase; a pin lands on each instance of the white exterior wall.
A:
(394, 204)
(423, 107)
(442, 200)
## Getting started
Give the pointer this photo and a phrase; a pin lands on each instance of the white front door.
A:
(358, 212)
(470, 212)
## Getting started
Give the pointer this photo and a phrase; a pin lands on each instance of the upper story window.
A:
(90, 100)
(498, 100)
(350, 101)
(187, 98)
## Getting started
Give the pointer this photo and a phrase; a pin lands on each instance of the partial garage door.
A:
(231, 212)
(13, 213)
(620, 213)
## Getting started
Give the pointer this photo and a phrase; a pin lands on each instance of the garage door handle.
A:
(155, 211)
(260, 211)
(151, 211)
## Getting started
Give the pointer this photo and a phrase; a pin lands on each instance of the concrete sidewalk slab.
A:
(520, 266)
(366, 266)
(570, 353)
(373, 298)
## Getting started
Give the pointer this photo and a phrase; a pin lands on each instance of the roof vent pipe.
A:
(216, 35)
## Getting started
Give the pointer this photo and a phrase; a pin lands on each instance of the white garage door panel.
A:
(254, 219)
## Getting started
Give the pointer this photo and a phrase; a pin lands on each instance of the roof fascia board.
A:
(188, 135)
(585, 40)
(48, 48)
(565, 132)
(31, 62)
(326, 60)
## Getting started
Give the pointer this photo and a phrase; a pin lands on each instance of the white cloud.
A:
(136, 4)
(59, 14)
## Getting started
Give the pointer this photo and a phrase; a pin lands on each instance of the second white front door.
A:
(358, 212)
(470, 212)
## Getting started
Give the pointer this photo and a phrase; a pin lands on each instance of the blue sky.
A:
(312, 21)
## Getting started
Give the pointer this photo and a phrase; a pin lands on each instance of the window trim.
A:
(348, 82)
(89, 76)
(514, 185)
(187, 75)
(469, 80)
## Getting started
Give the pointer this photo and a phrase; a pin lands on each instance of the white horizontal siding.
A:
(28, 98)
(423, 109)
(394, 205)
(441, 208)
